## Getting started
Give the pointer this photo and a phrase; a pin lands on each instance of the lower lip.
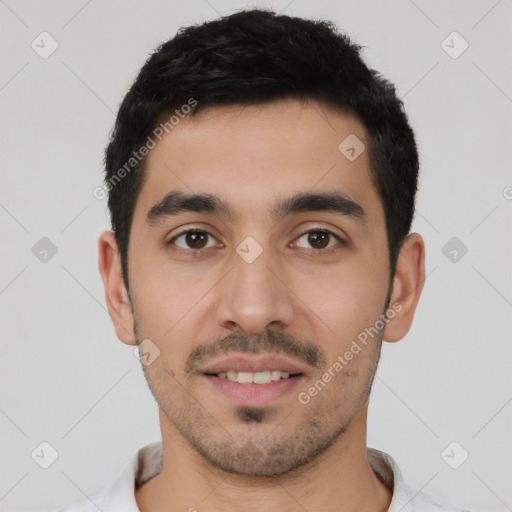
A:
(254, 394)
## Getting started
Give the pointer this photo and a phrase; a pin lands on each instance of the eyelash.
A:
(199, 252)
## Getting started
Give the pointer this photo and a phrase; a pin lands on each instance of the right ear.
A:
(118, 301)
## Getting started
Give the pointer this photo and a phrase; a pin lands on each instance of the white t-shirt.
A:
(147, 462)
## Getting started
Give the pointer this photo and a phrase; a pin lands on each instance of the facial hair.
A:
(254, 453)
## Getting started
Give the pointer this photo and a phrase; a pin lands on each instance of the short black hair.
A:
(252, 57)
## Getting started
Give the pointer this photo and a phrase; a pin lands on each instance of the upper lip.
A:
(254, 364)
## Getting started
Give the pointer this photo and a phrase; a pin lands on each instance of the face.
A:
(259, 249)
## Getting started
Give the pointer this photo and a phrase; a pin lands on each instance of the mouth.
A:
(264, 377)
(251, 394)
(254, 381)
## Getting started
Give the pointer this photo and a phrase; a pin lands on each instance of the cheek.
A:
(345, 300)
(173, 308)
(165, 297)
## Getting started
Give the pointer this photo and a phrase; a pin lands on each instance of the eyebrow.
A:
(176, 202)
(332, 202)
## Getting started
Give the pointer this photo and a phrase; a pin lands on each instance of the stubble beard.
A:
(257, 454)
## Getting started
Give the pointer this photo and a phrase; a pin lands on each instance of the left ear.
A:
(407, 286)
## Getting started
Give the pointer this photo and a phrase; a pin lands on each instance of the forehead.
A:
(251, 155)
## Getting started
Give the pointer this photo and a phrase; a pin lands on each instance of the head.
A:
(261, 188)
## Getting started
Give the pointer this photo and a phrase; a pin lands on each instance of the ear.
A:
(407, 286)
(116, 295)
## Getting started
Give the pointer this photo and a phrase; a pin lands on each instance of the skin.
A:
(217, 456)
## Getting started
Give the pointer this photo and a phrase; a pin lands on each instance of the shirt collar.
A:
(147, 463)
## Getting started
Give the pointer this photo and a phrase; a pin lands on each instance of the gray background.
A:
(67, 380)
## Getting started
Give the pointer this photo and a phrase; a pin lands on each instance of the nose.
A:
(253, 298)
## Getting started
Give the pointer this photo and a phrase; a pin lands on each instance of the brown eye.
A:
(318, 240)
(193, 240)
(196, 239)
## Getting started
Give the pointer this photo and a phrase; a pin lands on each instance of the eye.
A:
(193, 239)
(318, 239)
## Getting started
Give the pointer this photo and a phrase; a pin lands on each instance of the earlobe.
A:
(117, 298)
(407, 286)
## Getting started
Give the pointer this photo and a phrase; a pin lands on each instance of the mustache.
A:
(269, 342)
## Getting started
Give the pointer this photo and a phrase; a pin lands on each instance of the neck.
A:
(341, 480)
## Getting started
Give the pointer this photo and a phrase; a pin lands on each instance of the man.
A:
(261, 187)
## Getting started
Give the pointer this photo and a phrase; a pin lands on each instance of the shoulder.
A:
(120, 494)
(414, 501)
(91, 504)
(405, 499)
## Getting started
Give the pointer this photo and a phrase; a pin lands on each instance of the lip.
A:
(254, 364)
(255, 395)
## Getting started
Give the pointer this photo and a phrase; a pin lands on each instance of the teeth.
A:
(256, 378)
(275, 374)
(245, 377)
(262, 377)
